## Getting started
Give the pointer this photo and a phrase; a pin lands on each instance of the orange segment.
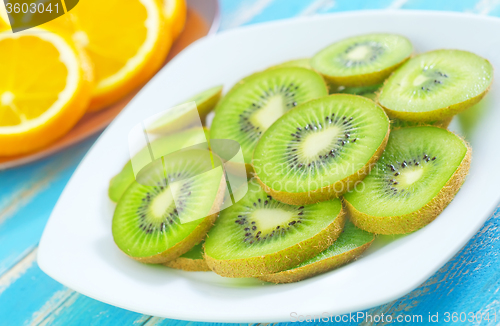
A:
(126, 40)
(175, 12)
(44, 90)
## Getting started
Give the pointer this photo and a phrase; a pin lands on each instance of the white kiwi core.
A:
(268, 219)
(161, 203)
(270, 112)
(317, 143)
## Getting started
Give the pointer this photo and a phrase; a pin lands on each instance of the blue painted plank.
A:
(36, 298)
(280, 9)
(26, 296)
(462, 5)
(348, 5)
(23, 217)
(494, 10)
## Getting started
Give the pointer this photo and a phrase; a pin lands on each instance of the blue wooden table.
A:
(469, 283)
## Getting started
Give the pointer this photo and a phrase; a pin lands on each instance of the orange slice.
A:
(126, 40)
(175, 12)
(45, 89)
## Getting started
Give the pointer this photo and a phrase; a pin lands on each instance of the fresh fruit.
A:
(396, 123)
(420, 172)
(260, 235)
(351, 243)
(301, 63)
(170, 208)
(175, 12)
(258, 101)
(43, 93)
(363, 60)
(166, 144)
(127, 44)
(436, 85)
(321, 149)
(180, 119)
(191, 261)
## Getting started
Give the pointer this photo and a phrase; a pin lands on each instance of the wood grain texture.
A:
(470, 282)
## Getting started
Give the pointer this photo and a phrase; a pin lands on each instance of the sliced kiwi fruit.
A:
(170, 207)
(321, 149)
(260, 235)
(436, 85)
(257, 101)
(418, 175)
(351, 243)
(397, 123)
(191, 261)
(167, 144)
(363, 60)
(179, 120)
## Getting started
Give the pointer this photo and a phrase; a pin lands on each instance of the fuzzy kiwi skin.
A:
(370, 79)
(280, 260)
(188, 265)
(443, 124)
(436, 115)
(413, 221)
(319, 267)
(331, 191)
(197, 235)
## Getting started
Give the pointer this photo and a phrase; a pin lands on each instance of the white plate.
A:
(77, 248)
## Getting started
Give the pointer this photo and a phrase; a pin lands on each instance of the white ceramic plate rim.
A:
(77, 249)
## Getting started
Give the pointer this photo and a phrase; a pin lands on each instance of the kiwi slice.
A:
(351, 243)
(418, 175)
(260, 235)
(179, 120)
(321, 149)
(363, 60)
(171, 209)
(371, 92)
(167, 144)
(256, 102)
(191, 261)
(436, 85)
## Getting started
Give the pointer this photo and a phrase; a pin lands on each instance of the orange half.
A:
(45, 89)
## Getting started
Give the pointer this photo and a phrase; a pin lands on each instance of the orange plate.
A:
(92, 123)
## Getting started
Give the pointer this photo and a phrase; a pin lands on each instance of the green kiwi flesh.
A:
(205, 103)
(256, 102)
(260, 235)
(172, 208)
(320, 149)
(436, 85)
(418, 175)
(363, 60)
(166, 144)
(191, 261)
(351, 243)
